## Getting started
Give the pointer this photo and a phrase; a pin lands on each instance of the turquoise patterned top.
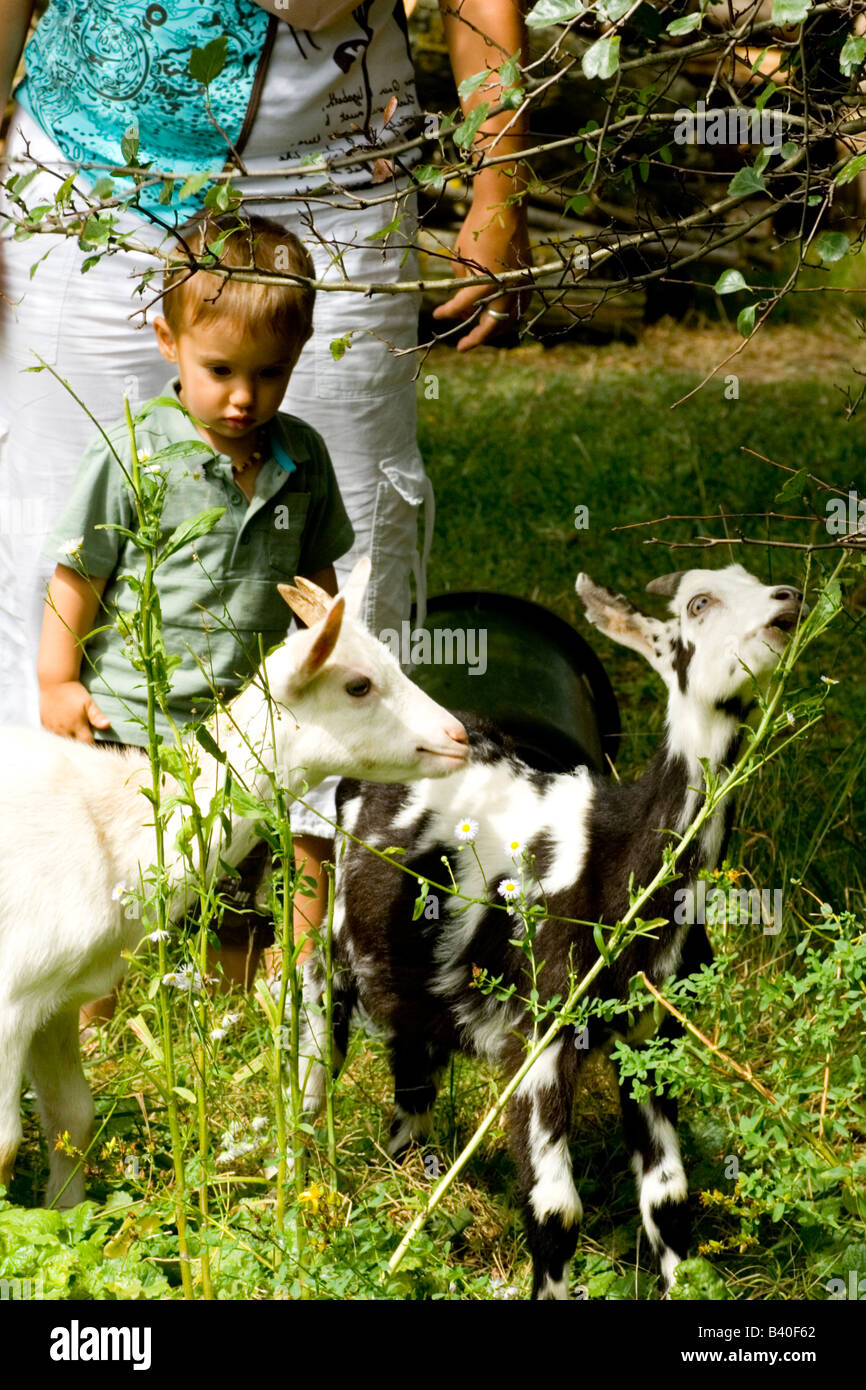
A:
(97, 67)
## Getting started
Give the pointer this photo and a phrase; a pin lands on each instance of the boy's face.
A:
(230, 380)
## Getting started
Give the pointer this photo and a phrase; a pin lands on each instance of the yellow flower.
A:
(314, 1197)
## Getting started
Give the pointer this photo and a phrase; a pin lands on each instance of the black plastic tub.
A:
(541, 682)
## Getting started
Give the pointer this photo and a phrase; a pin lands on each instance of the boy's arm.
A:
(14, 23)
(66, 707)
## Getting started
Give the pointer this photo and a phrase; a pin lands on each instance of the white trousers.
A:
(89, 329)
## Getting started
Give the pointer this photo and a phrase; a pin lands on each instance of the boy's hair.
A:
(284, 312)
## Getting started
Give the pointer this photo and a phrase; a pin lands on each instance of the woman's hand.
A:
(493, 238)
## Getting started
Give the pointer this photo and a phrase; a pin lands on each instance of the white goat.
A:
(75, 827)
(586, 838)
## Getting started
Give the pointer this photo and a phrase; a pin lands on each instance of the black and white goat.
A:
(76, 830)
(586, 837)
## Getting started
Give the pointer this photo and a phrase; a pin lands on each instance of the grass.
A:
(513, 444)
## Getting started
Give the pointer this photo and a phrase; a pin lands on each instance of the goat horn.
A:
(666, 584)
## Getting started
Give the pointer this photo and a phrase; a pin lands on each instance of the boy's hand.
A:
(70, 710)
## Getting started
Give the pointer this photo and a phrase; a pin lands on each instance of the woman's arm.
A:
(484, 34)
(66, 706)
(14, 22)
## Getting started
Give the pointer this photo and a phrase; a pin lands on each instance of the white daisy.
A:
(71, 547)
(187, 978)
(509, 889)
(514, 848)
(159, 935)
(466, 830)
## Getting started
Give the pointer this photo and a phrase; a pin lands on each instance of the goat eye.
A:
(359, 686)
(698, 602)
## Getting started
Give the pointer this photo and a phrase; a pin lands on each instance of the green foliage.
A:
(65, 1255)
(794, 1027)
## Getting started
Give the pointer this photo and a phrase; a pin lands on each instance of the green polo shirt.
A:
(217, 594)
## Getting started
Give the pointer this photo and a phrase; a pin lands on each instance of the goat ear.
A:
(354, 591)
(323, 639)
(666, 584)
(615, 616)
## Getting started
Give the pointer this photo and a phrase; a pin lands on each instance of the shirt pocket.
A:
(284, 536)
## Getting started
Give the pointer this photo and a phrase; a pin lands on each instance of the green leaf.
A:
(471, 84)
(129, 146)
(243, 803)
(600, 943)
(832, 246)
(467, 131)
(190, 530)
(548, 12)
(391, 227)
(512, 97)
(429, 176)
(794, 487)
(158, 401)
(95, 232)
(746, 320)
(192, 185)
(850, 170)
(183, 449)
(746, 181)
(185, 1094)
(206, 64)
(421, 900)
(789, 148)
(612, 10)
(340, 346)
(790, 11)
(509, 73)
(828, 604)
(222, 197)
(206, 741)
(602, 58)
(762, 160)
(729, 282)
(852, 55)
(684, 25)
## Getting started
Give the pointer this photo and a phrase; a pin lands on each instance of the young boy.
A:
(235, 345)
